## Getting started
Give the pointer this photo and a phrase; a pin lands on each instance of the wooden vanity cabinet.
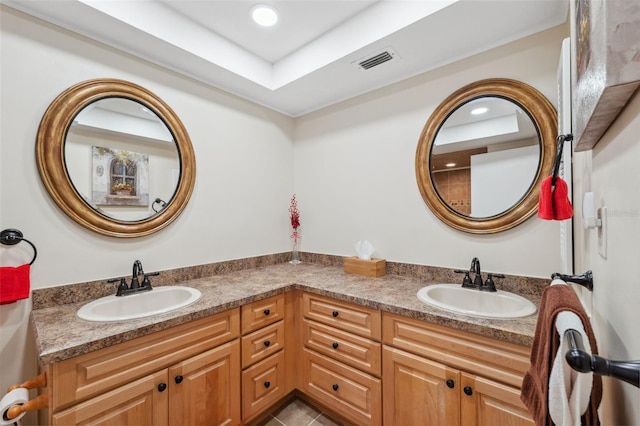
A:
(486, 402)
(419, 391)
(266, 365)
(341, 358)
(188, 374)
(442, 376)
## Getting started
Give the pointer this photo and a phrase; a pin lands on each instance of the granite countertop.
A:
(60, 334)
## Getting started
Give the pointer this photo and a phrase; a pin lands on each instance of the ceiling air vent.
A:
(379, 58)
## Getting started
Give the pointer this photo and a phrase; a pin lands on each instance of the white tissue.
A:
(364, 249)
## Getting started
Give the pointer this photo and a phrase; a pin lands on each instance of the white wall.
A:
(238, 208)
(611, 172)
(499, 178)
(355, 170)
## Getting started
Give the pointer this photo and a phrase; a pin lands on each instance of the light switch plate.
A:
(602, 232)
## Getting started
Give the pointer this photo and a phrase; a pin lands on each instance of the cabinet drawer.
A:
(351, 393)
(502, 361)
(262, 385)
(138, 402)
(356, 351)
(96, 372)
(345, 316)
(262, 343)
(263, 312)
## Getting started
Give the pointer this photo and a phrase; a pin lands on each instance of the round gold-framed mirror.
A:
(483, 153)
(115, 158)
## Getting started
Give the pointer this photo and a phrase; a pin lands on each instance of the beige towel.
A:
(569, 390)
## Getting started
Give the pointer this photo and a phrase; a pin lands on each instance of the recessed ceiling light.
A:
(480, 110)
(264, 15)
(450, 164)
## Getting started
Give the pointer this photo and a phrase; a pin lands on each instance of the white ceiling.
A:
(309, 60)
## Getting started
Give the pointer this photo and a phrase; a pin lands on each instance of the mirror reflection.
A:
(485, 157)
(121, 157)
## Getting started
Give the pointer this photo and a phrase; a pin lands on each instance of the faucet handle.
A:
(466, 281)
(489, 284)
(122, 287)
(146, 283)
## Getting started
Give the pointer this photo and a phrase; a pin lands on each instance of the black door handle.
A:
(467, 390)
(162, 387)
(335, 387)
(179, 379)
(450, 384)
(335, 345)
(267, 343)
(335, 313)
(266, 311)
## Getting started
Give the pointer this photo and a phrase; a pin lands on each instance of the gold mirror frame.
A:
(544, 117)
(50, 145)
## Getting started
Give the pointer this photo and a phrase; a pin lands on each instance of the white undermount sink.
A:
(484, 304)
(157, 301)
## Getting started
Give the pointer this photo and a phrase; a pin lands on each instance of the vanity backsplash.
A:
(80, 292)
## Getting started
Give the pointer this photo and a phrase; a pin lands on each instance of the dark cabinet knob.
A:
(178, 379)
(335, 345)
(335, 387)
(467, 390)
(267, 311)
(267, 384)
(162, 387)
(450, 384)
(267, 343)
(335, 313)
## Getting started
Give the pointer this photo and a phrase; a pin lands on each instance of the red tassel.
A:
(545, 202)
(562, 208)
(14, 283)
(554, 203)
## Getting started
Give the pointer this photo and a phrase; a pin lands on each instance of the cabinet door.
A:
(488, 403)
(205, 389)
(418, 391)
(142, 402)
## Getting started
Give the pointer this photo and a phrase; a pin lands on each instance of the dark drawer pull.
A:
(335, 345)
(335, 313)
(267, 311)
(162, 387)
(467, 390)
(267, 384)
(267, 343)
(335, 387)
(178, 379)
(450, 384)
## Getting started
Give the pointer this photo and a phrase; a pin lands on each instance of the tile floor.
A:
(298, 413)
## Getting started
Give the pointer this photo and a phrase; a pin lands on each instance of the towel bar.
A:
(581, 361)
(12, 237)
(585, 280)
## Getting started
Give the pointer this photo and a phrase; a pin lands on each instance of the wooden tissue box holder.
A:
(368, 268)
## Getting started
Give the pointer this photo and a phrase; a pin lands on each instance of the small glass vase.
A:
(295, 255)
